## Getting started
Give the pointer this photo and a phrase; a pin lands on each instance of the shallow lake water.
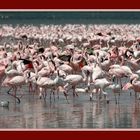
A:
(80, 113)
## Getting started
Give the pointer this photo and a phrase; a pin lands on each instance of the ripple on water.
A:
(80, 113)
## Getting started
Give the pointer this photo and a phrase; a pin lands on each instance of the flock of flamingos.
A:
(82, 59)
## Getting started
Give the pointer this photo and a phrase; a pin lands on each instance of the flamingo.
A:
(97, 73)
(68, 69)
(31, 76)
(106, 64)
(97, 70)
(86, 73)
(73, 80)
(120, 72)
(2, 74)
(14, 83)
(133, 84)
(53, 84)
(134, 63)
(71, 58)
(100, 84)
(77, 65)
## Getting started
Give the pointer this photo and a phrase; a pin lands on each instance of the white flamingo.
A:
(73, 80)
(100, 84)
(53, 84)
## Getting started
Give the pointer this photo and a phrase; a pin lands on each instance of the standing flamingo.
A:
(134, 84)
(14, 83)
(100, 84)
(53, 84)
(72, 80)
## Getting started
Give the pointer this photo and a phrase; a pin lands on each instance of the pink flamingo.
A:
(120, 72)
(134, 84)
(14, 83)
